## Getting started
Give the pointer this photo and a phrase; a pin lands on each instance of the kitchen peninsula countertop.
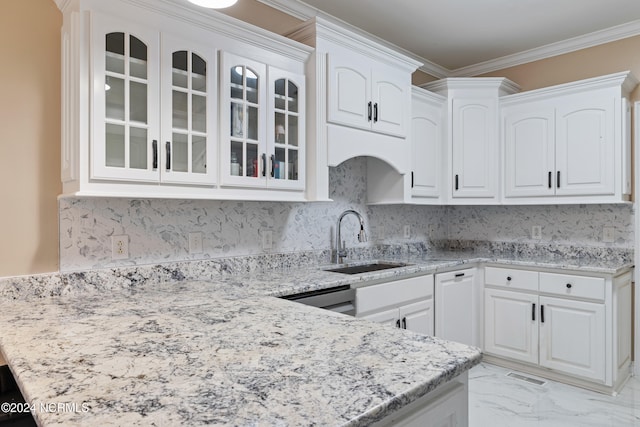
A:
(226, 352)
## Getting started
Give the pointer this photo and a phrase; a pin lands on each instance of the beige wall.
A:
(29, 136)
(30, 116)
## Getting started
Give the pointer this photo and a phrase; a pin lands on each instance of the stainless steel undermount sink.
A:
(365, 268)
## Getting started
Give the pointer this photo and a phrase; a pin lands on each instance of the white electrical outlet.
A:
(267, 239)
(608, 234)
(536, 232)
(407, 231)
(195, 243)
(120, 247)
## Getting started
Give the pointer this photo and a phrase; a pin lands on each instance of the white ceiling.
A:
(467, 37)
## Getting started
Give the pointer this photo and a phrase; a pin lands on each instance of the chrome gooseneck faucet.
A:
(341, 252)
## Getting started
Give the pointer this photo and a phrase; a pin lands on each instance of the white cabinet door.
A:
(529, 144)
(391, 101)
(349, 93)
(386, 317)
(286, 129)
(511, 325)
(188, 149)
(243, 105)
(474, 133)
(126, 100)
(427, 136)
(572, 337)
(456, 307)
(417, 317)
(585, 145)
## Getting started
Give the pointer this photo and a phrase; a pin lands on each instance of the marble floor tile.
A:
(496, 400)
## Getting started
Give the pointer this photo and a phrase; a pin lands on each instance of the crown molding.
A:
(596, 38)
(303, 11)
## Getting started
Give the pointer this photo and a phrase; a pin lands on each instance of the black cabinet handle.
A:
(398, 323)
(558, 180)
(508, 278)
(533, 312)
(404, 323)
(168, 148)
(456, 182)
(264, 164)
(411, 179)
(459, 274)
(273, 165)
(155, 153)
(369, 108)
(542, 314)
(375, 112)
(568, 285)
(549, 179)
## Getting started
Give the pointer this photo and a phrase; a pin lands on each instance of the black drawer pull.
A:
(369, 111)
(456, 182)
(508, 278)
(411, 179)
(375, 112)
(542, 314)
(404, 323)
(549, 179)
(459, 274)
(558, 180)
(398, 323)
(533, 312)
(569, 285)
(168, 149)
(155, 153)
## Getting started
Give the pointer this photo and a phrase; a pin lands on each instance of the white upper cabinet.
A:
(359, 103)
(262, 125)
(427, 139)
(125, 93)
(367, 95)
(141, 104)
(569, 143)
(189, 91)
(472, 141)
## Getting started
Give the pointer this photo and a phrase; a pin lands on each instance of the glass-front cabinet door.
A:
(188, 113)
(244, 160)
(124, 136)
(286, 129)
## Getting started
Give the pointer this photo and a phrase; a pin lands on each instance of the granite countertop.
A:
(193, 354)
(226, 352)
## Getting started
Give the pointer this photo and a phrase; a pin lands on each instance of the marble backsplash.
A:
(158, 229)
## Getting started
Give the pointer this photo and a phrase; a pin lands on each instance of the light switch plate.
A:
(536, 232)
(195, 243)
(608, 234)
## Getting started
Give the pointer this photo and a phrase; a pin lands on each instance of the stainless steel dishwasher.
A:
(340, 299)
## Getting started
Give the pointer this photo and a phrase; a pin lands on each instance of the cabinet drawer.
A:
(573, 286)
(394, 293)
(511, 278)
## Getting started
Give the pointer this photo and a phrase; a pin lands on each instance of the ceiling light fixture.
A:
(214, 4)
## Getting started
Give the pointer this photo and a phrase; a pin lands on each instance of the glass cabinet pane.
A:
(138, 148)
(293, 130)
(252, 86)
(114, 145)
(189, 113)
(114, 96)
(138, 102)
(138, 58)
(180, 153)
(199, 155)
(115, 52)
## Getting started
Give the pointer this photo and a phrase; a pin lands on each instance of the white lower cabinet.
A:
(567, 327)
(457, 307)
(446, 406)
(405, 303)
